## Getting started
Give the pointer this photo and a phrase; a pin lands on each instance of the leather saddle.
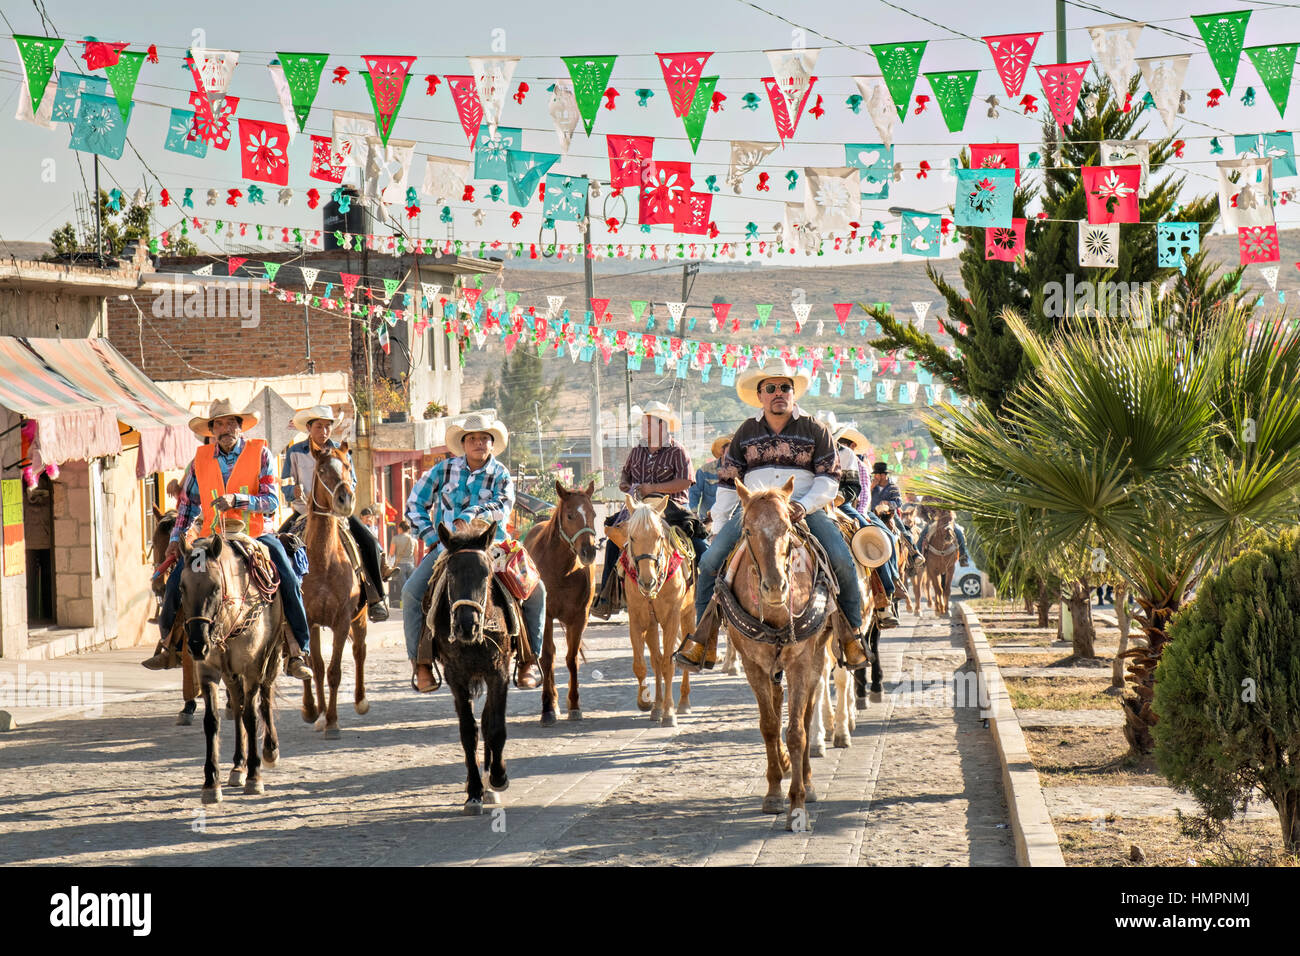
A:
(296, 526)
(808, 621)
(504, 619)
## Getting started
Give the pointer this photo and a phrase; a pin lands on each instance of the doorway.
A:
(38, 534)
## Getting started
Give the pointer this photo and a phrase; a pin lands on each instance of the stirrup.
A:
(686, 663)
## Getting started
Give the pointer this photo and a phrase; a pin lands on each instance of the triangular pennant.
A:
(309, 276)
(682, 74)
(800, 310)
(638, 307)
(233, 264)
(492, 82)
(764, 310)
(564, 112)
(900, 63)
(285, 96)
(921, 309)
(1270, 276)
(386, 84)
(1163, 76)
(302, 72)
(553, 303)
(272, 268)
(38, 55)
(598, 307)
(590, 75)
(675, 309)
(1061, 85)
(720, 310)
(842, 310)
(43, 115)
(699, 111)
(789, 85)
(1012, 53)
(122, 75)
(429, 291)
(954, 92)
(880, 105)
(204, 270)
(390, 288)
(1275, 65)
(349, 281)
(1115, 45)
(1224, 34)
(785, 123)
(468, 107)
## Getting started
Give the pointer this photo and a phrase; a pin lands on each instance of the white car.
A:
(968, 580)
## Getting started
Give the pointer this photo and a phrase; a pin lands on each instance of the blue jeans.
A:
(290, 594)
(822, 528)
(533, 608)
(853, 513)
(889, 570)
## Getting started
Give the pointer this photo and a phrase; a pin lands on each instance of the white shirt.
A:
(812, 492)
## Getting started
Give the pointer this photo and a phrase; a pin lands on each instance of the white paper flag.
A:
(350, 133)
(1129, 152)
(430, 290)
(1098, 245)
(445, 179)
(286, 98)
(832, 197)
(492, 80)
(553, 303)
(43, 118)
(879, 104)
(1248, 201)
(388, 169)
(675, 309)
(921, 309)
(801, 310)
(204, 270)
(309, 276)
(564, 112)
(792, 70)
(1163, 76)
(215, 68)
(1116, 45)
(1270, 276)
(746, 156)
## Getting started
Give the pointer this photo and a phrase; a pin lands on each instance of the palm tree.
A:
(1165, 443)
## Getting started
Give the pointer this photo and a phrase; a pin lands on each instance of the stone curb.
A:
(1031, 824)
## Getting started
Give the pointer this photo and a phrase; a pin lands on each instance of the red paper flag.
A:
(349, 283)
(996, 156)
(785, 123)
(664, 188)
(598, 307)
(471, 296)
(842, 310)
(468, 106)
(323, 161)
(682, 72)
(234, 263)
(1061, 85)
(1258, 244)
(626, 156)
(263, 151)
(1011, 55)
(1112, 193)
(210, 126)
(1005, 244)
(720, 310)
(692, 215)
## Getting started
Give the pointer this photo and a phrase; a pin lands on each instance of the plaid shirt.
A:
(188, 508)
(451, 492)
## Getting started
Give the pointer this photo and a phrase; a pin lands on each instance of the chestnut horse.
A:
(564, 548)
(331, 590)
(940, 560)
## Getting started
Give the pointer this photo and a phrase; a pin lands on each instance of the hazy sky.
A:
(442, 36)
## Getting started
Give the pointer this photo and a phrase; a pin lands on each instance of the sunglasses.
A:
(772, 389)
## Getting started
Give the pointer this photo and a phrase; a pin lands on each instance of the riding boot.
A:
(377, 602)
(695, 654)
(294, 665)
(165, 657)
(886, 616)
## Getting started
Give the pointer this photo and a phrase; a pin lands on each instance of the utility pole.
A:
(537, 417)
(689, 270)
(597, 455)
(99, 241)
(1060, 31)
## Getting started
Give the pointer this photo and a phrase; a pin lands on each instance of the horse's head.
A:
(204, 603)
(577, 520)
(164, 521)
(766, 529)
(331, 486)
(649, 544)
(469, 576)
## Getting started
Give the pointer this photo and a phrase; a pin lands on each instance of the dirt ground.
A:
(1109, 842)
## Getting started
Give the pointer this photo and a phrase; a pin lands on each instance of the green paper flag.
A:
(638, 307)
(123, 75)
(512, 298)
(302, 72)
(699, 111)
(271, 269)
(954, 92)
(394, 82)
(590, 75)
(38, 55)
(1275, 65)
(1224, 34)
(900, 63)
(764, 312)
(391, 286)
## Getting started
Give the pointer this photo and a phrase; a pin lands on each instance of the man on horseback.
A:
(782, 441)
(231, 479)
(704, 490)
(300, 466)
(451, 494)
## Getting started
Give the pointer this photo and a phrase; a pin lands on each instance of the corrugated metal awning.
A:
(77, 390)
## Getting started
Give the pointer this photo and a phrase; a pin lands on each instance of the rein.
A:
(248, 608)
(319, 478)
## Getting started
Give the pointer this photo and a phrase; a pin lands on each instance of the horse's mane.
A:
(462, 538)
(645, 518)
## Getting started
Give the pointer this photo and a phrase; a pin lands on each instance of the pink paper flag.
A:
(1011, 55)
(1061, 85)
(682, 72)
(996, 156)
(1112, 193)
(627, 154)
(785, 123)
(469, 108)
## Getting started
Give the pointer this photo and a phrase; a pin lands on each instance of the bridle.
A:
(319, 478)
(572, 540)
(754, 572)
(481, 606)
(659, 565)
(241, 622)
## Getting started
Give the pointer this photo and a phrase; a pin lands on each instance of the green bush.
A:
(1227, 691)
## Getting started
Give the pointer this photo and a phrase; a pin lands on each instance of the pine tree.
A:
(116, 229)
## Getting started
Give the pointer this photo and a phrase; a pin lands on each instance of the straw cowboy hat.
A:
(871, 547)
(747, 382)
(302, 419)
(202, 425)
(477, 423)
(663, 413)
(716, 447)
(850, 433)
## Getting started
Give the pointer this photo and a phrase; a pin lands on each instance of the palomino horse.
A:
(473, 655)
(234, 634)
(564, 547)
(772, 559)
(331, 591)
(657, 607)
(940, 560)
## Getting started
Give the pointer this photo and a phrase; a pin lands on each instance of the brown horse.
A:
(164, 521)
(331, 591)
(940, 560)
(773, 581)
(564, 548)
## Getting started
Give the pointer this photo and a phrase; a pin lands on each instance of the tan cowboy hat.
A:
(202, 425)
(663, 413)
(747, 382)
(847, 431)
(477, 423)
(716, 447)
(871, 547)
(302, 419)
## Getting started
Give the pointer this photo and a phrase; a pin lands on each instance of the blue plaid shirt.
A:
(450, 492)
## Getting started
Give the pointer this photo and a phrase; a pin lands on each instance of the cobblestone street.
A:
(919, 786)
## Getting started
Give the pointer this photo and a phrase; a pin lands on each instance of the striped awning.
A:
(77, 390)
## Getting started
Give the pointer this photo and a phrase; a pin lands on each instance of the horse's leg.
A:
(271, 742)
(645, 635)
(818, 698)
(249, 714)
(638, 662)
(769, 725)
(469, 743)
(796, 740)
(238, 701)
(573, 640)
(810, 792)
(844, 718)
(494, 731)
(335, 675)
(211, 729)
(313, 703)
(547, 663)
(687, 627)
(874, 651)
(358, 630)
(668, 634)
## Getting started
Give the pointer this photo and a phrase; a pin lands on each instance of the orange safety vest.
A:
(243, 480)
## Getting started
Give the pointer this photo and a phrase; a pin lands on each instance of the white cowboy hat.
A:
(871, 547)
(716, 447)
(201, 425)
(852, 434)
(662, 412)
(747, 382)
(302, 419)
(477, 423)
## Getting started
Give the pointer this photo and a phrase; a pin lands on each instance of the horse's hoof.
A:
(185, 718)
(332, 732)
(502, 784)
(473, 808)
(548, 718)
(773, 804)
(656, 713)
(684, 709)
(862, 702)
(307, 716)
(842, 740)
(254, 787)
(363, 706)
(809, 794)
(643, 704)
(320, 723)
(491, 799)
(875, 687)
(669, 720)
(211, 794)
(236, 778)
(270, 758)
(575, 714)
